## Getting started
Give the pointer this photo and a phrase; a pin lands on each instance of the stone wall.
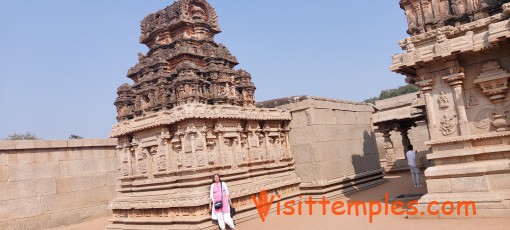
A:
(333, 144)
(46, 184)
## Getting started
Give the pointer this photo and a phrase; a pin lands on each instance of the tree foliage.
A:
(20, 136)
(389, 93)
(75, 137)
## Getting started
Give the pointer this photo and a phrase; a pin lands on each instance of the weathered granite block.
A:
(80, 182)
(33, 222)
(4, 173)
(33, 171)
(499, 181)
(20, 208)
(74, 200)
(26, 189)
(78, 215)
(439, 185)
(88, 166)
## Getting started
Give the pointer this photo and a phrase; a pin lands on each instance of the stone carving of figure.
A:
(142, 162)
(152, 99)
(411, 18)
(410, 46)
(472, 100)
(444, 8)
(419, 18)
(197, 12)
(427, 12)
(443, 100)
(447, 125)
(479, 4)
(138, 103)
(140, 56)
(162, 163)
(458, 7)
(443, 46)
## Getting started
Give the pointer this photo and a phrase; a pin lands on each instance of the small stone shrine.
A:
(459, 54)
(189, 115)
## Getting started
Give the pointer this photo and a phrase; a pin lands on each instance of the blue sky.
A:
(61, 61)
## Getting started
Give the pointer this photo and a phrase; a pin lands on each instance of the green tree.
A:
(389, 93)
(19, 136)
(75, 137)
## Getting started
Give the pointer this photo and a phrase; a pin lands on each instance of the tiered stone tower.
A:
(459, 54)
(189, 115)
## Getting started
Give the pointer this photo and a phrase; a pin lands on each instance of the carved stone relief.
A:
(493, 119)
(448, 125)
(472, 100)
(142, 161)
(443, 46)
(483, 118)
(443, 101)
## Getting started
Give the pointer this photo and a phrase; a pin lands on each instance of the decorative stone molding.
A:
(198, 111)
(494, 81)
(441, 42)
(425, 85)
(426, 15)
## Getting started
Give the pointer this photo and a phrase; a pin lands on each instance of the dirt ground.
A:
(398, 184)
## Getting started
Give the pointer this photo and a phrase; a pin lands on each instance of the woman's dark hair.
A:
(410, 147)
(214, 176)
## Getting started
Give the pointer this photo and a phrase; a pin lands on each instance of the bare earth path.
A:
(398, 184)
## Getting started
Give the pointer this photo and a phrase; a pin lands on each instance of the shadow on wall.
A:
(369, 158)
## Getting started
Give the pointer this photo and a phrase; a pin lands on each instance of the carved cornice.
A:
(198, 111)
(447, 140)
(425, 85)
(443, 42)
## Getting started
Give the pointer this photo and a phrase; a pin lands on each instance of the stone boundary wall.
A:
(47, 184)
(333, 144)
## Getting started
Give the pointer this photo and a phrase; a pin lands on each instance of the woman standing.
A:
(220, 212)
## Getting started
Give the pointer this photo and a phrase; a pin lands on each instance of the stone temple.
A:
(188, 115)
(459, 54)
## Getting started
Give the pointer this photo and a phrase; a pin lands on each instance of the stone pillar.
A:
(456, 80)
(288, 152)
(404, 131)
(166, 149)
(388, 146)
(269, 153)
(175, 157)
(426, 88)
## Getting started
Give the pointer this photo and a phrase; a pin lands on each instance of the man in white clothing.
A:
(411, 161)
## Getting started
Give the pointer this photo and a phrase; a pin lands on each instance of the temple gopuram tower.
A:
(188, 115)
(459, 54)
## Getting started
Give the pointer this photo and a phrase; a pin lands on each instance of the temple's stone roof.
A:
(183, 65)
